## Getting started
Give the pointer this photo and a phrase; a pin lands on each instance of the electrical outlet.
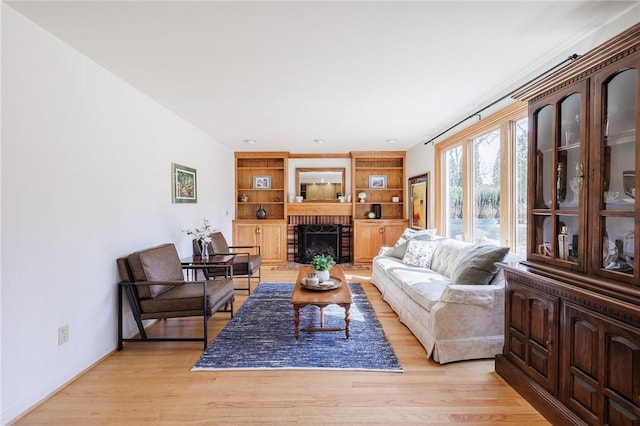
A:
(63, 334)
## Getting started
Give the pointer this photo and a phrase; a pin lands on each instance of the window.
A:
(453, 191)
(482, 176)
(521, 146)
(486, 188)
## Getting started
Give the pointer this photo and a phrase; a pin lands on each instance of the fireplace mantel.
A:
(319, 209)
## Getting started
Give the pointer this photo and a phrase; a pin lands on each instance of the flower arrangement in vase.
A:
(203, 235)
(322, 263)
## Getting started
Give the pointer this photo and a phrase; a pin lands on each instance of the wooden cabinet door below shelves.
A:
(531, 333)
(601, 355)
(368, 239)
(271, 237)
(273, 242)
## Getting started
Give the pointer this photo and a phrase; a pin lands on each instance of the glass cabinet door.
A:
(616, 120)
(557, 133)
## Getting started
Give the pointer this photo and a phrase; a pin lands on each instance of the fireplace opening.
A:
(315, 240)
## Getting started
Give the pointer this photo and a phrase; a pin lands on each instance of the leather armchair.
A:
(245, 263)
(153, 282)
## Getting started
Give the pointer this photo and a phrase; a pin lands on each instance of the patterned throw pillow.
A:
(476, 265)
(400, 247)
(419, 253)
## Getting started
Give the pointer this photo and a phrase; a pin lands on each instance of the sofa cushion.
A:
(419, 253)
(446, 254)
(424, 286)
(476, 266)
(400, 247)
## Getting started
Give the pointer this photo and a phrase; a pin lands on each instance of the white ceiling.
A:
(351, 73)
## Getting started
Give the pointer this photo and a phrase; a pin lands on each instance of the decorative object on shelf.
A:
(395, 199)
(348, 198)
(561, 182)
(203, 235)
(322, 263)
(629, 183)
(539, 202)
(371, 215)
(261, 213)
(563, 244)
(183, 188)
(262, 182)
(299, 198)
(610, 196)
(575, 187)
(244, 198)
(377, 210)
(377, 182)
(568, 136)
(362, 196)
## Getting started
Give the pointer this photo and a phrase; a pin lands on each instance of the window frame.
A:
(504, 121)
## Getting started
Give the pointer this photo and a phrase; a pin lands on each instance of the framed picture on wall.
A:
(419, 201)
(183, 184)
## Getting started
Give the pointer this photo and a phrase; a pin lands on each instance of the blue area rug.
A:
(260, 336)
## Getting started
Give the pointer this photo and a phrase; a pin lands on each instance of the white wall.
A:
(86, 175)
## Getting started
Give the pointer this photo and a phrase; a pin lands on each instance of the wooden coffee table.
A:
(302, 297)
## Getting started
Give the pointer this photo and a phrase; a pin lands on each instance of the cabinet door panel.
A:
(602, 368)
(392, 232)
(532, 331)
(245, 234)
(622, 381)
(367, 237)
(273, 242)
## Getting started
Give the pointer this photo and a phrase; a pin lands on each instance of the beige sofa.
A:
(455, 306)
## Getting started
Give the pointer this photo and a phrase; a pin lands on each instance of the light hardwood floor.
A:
(151, 383)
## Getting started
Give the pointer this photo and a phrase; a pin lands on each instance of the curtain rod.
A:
(477, 113)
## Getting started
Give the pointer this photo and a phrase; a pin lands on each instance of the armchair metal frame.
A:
(130, 290)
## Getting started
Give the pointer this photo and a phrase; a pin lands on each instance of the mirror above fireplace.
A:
(320, 184)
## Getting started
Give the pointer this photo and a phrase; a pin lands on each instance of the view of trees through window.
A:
(454, 192)
(521, 148)
(494, 209)
(486, 188)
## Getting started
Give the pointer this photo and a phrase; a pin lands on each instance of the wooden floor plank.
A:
(151, 383)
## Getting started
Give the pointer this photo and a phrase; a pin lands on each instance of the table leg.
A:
(321, 316)
(347, 320)
(296, 320)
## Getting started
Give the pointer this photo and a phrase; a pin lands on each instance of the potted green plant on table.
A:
(322, 263)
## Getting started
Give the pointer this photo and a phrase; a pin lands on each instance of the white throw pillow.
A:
(419, 253)
(400, 247)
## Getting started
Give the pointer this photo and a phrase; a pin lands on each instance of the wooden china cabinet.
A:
(572, 315)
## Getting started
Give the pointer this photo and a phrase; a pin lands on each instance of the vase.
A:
(322, 276)
(261, 213)
(204, 251)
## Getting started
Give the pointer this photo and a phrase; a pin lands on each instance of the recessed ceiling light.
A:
(319, 141)
(392, 141)
(250, 141)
